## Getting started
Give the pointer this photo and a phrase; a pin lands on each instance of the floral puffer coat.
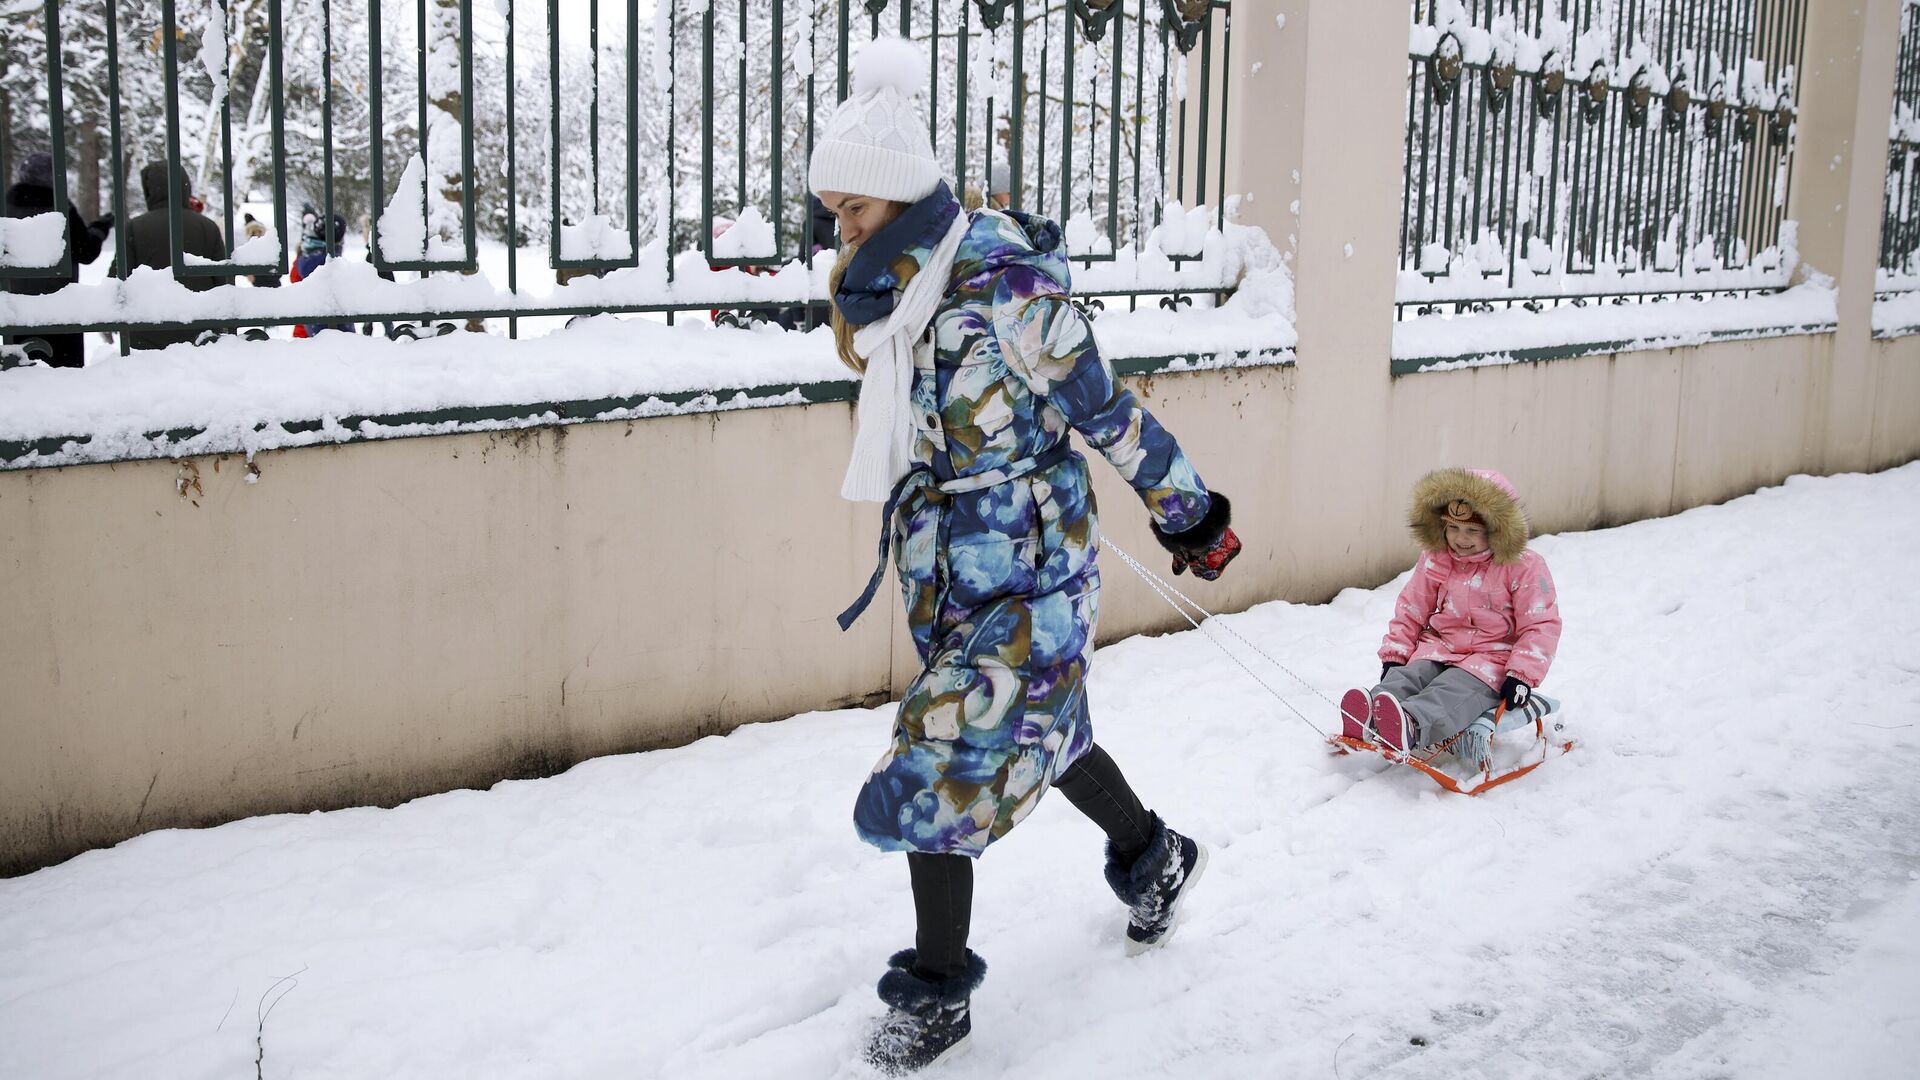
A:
(995, 549)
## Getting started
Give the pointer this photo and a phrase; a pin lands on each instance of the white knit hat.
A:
(876, 142)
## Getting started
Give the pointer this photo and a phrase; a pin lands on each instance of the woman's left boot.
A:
(928, 1019)
(1154, 883)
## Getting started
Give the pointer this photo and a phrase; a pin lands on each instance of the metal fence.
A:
(645, 150)
(1900, 217)
(1568, 151)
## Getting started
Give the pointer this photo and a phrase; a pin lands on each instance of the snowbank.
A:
(1677, 898)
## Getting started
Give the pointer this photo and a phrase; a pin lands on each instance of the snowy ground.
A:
(1722, 881)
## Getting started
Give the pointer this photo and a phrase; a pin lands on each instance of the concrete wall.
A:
(370, 622)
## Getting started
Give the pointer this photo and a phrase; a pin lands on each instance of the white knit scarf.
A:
(883, 447)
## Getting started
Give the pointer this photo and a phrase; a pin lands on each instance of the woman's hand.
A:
(1208, 546)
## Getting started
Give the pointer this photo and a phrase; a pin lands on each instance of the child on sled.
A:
(1476, 626)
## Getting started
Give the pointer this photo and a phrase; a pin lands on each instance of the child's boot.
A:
(1392, 724)
(928, 1020)
(1355, 713)
(1154, 883)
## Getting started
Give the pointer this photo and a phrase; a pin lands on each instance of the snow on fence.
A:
(438, 129)
(1564, 152)
(244, 397)
(1896, 308)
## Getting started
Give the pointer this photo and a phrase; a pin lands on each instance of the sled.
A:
(1544, 747)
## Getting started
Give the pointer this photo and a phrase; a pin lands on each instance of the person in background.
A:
(999, 187)
(824, 239)
(32, 194)
(366, 230)
(148, 244)
(255, 229)
(318, 241)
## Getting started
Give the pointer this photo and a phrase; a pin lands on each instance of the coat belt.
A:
(918, 485)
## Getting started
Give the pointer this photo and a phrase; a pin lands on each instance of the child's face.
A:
(1466, 539)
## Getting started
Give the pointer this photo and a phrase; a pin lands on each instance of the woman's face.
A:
(860, 216)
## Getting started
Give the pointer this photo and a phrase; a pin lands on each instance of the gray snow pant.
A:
(1441, 699)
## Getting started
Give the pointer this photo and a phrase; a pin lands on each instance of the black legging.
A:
(943, 884)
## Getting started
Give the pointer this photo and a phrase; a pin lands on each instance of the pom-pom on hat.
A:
(876, 142)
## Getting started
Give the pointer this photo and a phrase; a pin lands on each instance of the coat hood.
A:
(1001, 240)
(1490, 497)
(153, 184)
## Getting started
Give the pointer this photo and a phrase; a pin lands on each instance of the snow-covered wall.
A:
(190, 641)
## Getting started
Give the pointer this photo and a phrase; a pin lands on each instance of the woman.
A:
(974, 365)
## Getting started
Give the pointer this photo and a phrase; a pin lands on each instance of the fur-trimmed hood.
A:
(1492, 498)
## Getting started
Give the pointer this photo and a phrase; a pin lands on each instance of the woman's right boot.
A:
(928, 1019)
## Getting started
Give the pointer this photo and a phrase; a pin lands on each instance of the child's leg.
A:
(1447, 704)
(1391, 724)
(943, 907)
(1409, 679)
(1096, 788)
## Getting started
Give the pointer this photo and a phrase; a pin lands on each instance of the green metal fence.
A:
(1573, 151)
(1900, 217)
(449, 148)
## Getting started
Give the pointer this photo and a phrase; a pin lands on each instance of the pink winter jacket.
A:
(1490, 619)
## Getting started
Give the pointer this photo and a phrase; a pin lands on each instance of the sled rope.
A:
(1163, 588)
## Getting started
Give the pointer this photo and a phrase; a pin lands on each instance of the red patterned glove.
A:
(1208, 546)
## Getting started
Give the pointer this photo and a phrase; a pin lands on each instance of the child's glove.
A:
(1386, 667)
(1208, 546)
(1515, 692)
(1475, 745)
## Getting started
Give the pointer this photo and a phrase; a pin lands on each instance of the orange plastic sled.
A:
(1543, 749)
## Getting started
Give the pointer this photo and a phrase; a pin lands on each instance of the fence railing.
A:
(1569, 151)
(474, 164)
(1900, 217)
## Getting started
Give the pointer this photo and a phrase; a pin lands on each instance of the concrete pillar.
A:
(1316, 141)
(1846, 97)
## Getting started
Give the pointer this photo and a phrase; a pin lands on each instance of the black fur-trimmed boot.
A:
(927, 1021)
(1154, 884)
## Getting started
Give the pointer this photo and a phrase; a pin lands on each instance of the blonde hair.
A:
(842, 329)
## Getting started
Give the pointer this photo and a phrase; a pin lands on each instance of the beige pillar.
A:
(1840, 160)
(1316, 139)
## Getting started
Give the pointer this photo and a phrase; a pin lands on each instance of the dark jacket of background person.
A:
(147, 245)
(32, 194)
